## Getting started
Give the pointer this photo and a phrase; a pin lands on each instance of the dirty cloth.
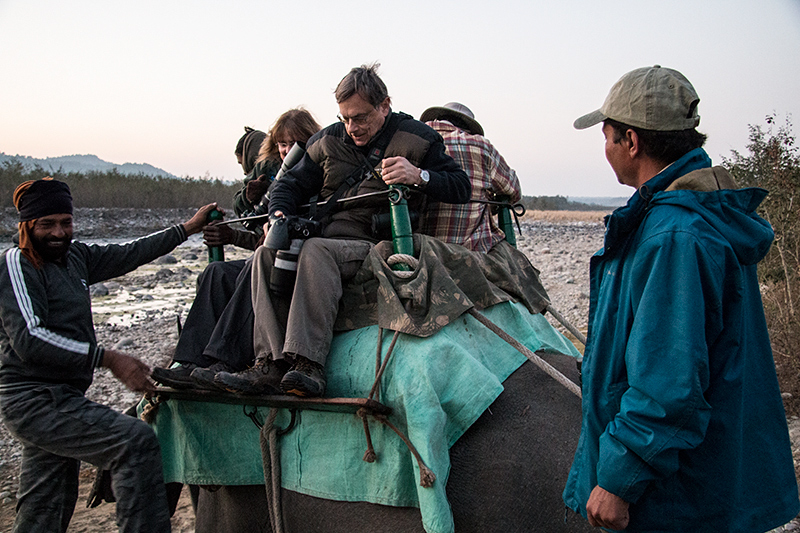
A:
(449, 280)
(437, 386)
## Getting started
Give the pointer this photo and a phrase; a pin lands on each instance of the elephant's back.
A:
(513, 462)
(507, 474)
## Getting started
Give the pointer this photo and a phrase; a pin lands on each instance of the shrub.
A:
(112, 189)
(773, 163)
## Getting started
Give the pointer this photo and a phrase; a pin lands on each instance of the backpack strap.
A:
(369, 162)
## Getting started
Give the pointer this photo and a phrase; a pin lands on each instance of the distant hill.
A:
(83, 164)
(605, 201)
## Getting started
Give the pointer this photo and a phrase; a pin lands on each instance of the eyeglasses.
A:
(358, 120)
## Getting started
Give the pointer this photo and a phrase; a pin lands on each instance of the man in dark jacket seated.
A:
(370, 149)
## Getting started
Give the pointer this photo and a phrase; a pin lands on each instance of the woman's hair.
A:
(294, 125)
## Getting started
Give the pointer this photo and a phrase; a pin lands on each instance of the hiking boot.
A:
(176, 376)
(263, 378)
(306, 378)
(203, 378)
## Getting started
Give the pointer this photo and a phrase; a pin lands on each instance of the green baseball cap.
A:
(651, 98)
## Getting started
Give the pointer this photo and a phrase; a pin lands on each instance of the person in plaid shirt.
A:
(472, 224)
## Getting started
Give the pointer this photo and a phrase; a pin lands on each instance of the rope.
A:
(572, 329)
(150, 410)
(270, 457)
(376, 384)
(538, 361)
(405, 259)
(426, 475)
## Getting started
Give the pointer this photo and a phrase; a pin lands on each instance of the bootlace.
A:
(307, 366)
(259, 368)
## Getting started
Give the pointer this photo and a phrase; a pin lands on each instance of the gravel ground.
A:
(138, 312)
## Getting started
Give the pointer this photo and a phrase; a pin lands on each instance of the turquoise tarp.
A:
(436, 386)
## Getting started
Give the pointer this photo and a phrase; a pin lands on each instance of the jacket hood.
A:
(692, 183)
(730, 211)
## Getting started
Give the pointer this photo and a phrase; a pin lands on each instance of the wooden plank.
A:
(338, 405)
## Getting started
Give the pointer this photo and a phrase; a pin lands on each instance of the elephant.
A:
(507, 474)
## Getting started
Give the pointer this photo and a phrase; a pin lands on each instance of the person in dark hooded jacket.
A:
(683, 424)
(217, 335)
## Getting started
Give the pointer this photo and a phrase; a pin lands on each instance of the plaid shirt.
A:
(471, 225)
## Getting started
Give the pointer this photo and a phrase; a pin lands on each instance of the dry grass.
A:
(566, 216)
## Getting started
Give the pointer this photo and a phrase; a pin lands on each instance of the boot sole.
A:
(205, 382)
(298, 387)
(160, 375)
(264, 390)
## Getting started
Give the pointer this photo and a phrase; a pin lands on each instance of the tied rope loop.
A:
(150, 410)
(518, 210)
(270, 457)
(405, 259)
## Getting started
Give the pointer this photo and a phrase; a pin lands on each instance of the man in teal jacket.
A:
(683, 426)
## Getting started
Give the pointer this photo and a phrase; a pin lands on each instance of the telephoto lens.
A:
(284, 271)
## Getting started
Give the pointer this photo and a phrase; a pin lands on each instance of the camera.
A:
(284, 270)
(286, 236)
(255, 223)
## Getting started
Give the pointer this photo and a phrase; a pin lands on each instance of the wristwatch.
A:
(425, 176)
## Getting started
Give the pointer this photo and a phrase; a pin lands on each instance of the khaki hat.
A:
(459, 114)
(651, 98)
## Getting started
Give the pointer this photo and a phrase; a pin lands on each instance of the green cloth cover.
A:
(437, 387)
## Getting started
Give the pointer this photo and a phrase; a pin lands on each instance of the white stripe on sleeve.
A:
(32, 321)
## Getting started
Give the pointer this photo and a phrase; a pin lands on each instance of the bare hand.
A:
(607, 510)
(218, 235)
(198, 221)
(133, 373)
(399, 170)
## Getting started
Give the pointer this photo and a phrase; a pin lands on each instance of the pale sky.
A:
(173, 83)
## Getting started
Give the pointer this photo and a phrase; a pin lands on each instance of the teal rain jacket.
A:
(682, 414)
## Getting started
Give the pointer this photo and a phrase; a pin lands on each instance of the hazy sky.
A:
(172, 83)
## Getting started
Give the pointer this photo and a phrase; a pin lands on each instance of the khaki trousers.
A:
(303, 324)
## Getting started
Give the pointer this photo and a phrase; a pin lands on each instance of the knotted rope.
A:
(405, 259)
(270, 457)
(426, 475)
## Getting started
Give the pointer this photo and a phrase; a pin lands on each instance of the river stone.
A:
(124, 342)
(98, 289)
(168, 259)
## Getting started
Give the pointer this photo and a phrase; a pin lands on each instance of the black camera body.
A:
(286, 236)
(259, 210)
(285, 229)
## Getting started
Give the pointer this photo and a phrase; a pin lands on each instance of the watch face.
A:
(425, 176)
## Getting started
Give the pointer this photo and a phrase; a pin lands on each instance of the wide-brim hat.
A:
(651, 98)
(459, 114)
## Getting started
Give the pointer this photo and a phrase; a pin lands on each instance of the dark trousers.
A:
(58, 427)
(219, 326)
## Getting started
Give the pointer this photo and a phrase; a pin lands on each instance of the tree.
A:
(773, 163)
